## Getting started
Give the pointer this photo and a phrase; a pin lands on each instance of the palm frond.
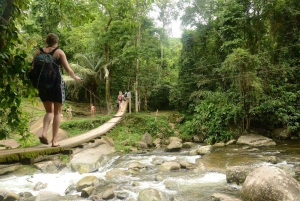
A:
(98, 63)
(81, 70)
(78, 56)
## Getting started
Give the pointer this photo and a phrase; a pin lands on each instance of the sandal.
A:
(43, 140)
(56, 145)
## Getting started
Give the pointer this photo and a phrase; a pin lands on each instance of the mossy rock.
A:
(176, 118)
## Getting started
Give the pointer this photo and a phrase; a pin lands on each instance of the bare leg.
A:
(47, 118)
(56, 122)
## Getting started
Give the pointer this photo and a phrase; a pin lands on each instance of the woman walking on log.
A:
(54, 97)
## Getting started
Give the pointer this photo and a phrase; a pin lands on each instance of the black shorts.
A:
(55, 94)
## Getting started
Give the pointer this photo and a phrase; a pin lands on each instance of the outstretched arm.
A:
(65, 64)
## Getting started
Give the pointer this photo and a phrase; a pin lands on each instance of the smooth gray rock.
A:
(91, 159)
(255, 140)
(86, 182)
(150, 194)
(270, 183)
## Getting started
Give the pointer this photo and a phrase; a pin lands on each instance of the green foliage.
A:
(249, 53)
(64, 158)
(134, 126)
(213, 117)
(13, 69)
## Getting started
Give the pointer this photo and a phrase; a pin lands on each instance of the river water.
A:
(184, 184)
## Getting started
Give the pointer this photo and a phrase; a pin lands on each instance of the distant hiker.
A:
(93, 110)
(120, 97)
(53, 97)
(69, 112)
(117, 108)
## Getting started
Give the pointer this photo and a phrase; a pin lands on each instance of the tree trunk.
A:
(161, 54)
(4, 18)
(91, 96)
(107, 82)
(138, 41)
(136, 91)
(108, 101)
(146, 101)
(99, 95)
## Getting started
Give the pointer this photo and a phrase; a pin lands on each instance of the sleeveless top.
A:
(56, 65)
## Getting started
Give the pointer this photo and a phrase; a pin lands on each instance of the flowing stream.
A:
(184, 184)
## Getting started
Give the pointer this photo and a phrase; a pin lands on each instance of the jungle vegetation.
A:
(235, 68)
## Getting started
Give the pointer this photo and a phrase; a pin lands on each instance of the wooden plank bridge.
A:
(27, 155)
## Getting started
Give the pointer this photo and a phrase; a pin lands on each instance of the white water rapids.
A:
(59, 182)
(183, 184)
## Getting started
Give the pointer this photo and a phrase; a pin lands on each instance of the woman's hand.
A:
(78, 79)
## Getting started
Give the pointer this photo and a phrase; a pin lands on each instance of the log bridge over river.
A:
(27, 155)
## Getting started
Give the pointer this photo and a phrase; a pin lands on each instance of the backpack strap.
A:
(42, 51)
(51, 53)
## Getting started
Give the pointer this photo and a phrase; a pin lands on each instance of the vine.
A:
(13, 70)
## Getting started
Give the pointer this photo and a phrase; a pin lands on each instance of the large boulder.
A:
(223, 197)
(150, 194)
(169, 166)
(141, 145)
(270, 183)
(11, 196)
(255, 140)
(8, 195)
(147, 138)
(48, 196)
(51, 166)
(108, 194)
(85, 182)
(188, 145)
(87, 192)
(157, 142)
(25, 195)
(6, 169)
(187, 165)
(92, 159)
(115, 174)
(238, 174)
(173, 146)
(199, 138)
(177, 139)
(136, 167)
(204, 150)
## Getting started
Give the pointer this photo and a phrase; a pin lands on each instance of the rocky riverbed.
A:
(173, 171)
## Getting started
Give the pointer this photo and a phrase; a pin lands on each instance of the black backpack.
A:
(43, 75)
